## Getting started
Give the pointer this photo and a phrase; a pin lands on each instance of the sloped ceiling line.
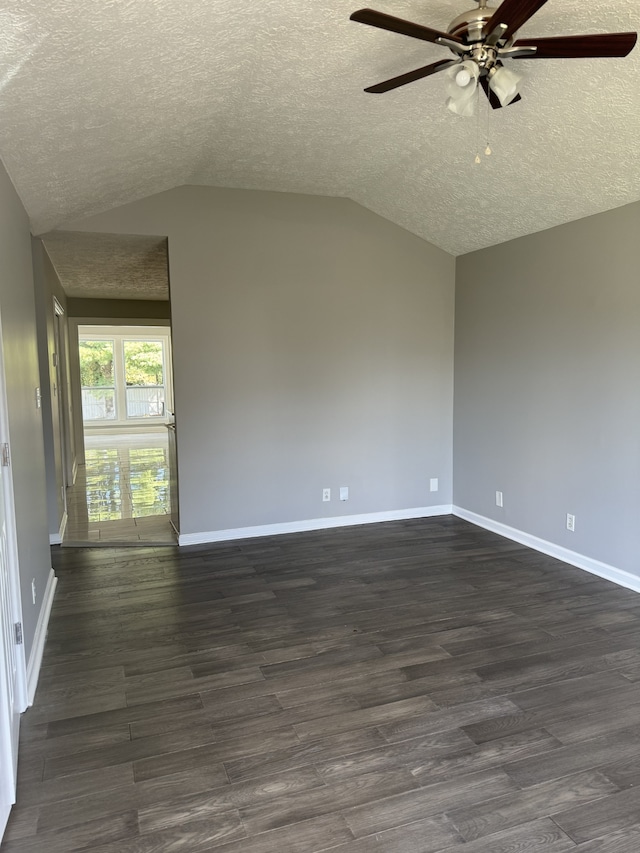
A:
(105, 103)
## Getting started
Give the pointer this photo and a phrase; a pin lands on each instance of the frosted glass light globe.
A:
(463, 77)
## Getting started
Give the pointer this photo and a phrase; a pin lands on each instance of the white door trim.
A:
(12, 544)
(12, 708)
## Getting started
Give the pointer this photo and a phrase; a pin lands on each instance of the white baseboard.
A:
(594, 567)
(312, 524)
(37, 649)
(56, 538)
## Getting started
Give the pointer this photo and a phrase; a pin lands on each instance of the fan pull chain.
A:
(487, 150)
(477, 160)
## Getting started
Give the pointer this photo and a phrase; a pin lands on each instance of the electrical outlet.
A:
(499, 499)
(326, 494)
(571, 522)
(433, 484)
(344, 493)
(33, 590)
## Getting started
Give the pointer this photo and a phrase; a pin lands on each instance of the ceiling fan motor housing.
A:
(471, 28)
(469, 25)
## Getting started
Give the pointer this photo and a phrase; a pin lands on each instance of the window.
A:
(143, 374)
(98, 383)
(124, 375)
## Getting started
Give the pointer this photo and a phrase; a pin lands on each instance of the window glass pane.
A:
(97, 378)
(144, 375)
(143, 363)
(145, 402)
(96, 363)
(98, 404)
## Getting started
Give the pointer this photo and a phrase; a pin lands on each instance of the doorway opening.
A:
(122, 492)
(108, 352)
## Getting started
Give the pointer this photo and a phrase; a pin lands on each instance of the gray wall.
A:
(313, 347)
(17, 315)
(47, 285)
(547, 407)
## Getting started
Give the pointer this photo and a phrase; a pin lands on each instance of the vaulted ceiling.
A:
(104, 103)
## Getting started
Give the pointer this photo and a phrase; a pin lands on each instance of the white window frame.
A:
(120, 334)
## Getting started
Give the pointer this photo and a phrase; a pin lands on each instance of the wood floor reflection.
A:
(398, 688)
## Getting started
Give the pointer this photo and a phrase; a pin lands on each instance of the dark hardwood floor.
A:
(399, 688)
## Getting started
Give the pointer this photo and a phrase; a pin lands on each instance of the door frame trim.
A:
(9, 739)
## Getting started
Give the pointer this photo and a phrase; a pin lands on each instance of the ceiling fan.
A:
(480, 40)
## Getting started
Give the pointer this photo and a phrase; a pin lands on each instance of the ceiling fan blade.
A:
(410, 76)
(574, 47)
(398, 25)
(492, 97)
(513, 13)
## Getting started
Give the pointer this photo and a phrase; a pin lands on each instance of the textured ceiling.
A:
(109, 266)
(104, 103)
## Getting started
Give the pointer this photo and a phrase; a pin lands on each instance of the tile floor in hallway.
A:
(121, 494)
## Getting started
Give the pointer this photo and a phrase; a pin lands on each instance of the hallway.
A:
(121, 495)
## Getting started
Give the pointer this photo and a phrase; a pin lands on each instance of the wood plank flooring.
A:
(409, 687)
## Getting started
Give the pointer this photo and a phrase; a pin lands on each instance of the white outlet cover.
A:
(344, 493)
(433, 484)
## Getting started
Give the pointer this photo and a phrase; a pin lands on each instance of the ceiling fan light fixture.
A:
(504, 83)
(461, 87)
(480, 39)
